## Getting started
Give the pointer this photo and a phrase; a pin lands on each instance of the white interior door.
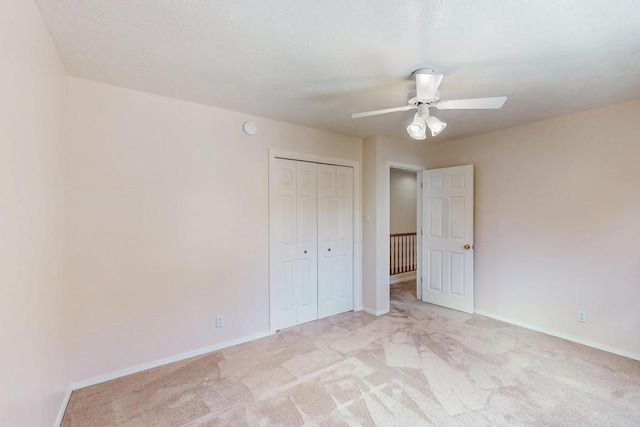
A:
(293, 243)
(306, 289)
(447, 243)
(344, 238)
(335, 240)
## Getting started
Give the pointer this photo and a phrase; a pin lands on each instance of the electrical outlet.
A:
(219, 321)
(582, 316)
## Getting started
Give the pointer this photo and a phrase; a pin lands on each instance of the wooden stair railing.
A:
(403, 252)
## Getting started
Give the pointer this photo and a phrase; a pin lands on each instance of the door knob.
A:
(329, 249)
(305, 252)
(467, 246)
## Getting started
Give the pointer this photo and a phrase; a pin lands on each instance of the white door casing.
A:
(447, 251)
(335, 240)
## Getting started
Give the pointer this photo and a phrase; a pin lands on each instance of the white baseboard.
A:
(562, 335)
(402, 277)
(145, 366)
(375, 313)
(63, 407)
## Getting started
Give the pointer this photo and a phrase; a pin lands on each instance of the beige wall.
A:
(32, 157)
(558, 223)
(168, 206)
(381, 153)
(403, 203)
(369, 230)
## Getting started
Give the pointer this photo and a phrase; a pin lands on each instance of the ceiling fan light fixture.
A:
(417, 129)
(435, 125)
(427, 95)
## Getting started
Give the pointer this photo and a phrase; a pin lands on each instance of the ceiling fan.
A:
(426, 96)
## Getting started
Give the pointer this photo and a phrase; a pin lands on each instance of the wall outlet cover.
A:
(582, 316)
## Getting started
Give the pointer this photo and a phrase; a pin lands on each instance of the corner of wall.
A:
(369, 218)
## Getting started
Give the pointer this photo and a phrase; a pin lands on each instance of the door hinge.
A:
(421, 185)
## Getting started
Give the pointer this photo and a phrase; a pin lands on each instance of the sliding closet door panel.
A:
(335, 240)
(306, 289)
(327, 235)
(282, 209)
(344, 239)
(327, 222)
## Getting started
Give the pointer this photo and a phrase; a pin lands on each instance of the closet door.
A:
(293, 243)
(306, 272)
(335, 240)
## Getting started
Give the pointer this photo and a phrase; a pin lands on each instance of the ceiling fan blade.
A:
(385, 111)
(471, 104)
(427, 85)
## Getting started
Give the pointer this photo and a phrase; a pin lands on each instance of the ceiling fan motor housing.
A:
(413, 99)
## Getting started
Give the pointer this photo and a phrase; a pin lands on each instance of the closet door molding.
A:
(356, 261)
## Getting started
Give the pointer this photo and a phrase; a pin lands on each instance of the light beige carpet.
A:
(419, 365)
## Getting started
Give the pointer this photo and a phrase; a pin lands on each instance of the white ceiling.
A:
(314, 63)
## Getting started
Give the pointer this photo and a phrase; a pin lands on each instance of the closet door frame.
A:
(357, 223)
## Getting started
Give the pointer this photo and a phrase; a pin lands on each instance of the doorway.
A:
(403, 230)
(444, 214)
(416, 290)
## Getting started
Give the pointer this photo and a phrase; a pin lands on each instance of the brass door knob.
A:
(467, 246)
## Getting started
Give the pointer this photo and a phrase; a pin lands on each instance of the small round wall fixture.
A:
(249, 128)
